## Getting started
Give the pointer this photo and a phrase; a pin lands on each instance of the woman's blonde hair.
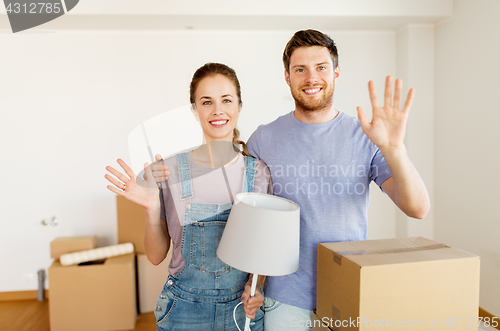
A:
(212, 69)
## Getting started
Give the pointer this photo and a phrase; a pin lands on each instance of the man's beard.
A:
(324, 102)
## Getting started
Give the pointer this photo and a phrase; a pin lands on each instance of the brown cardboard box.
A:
(130, 224)
(93, 297)
(65, 245)
(150, 279)
(409, 282)
(318, 324)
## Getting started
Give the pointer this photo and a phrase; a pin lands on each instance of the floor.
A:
(32, 315)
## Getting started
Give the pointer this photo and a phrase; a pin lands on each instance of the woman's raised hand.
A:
(143, 192)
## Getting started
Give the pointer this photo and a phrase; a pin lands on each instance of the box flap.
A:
(92, 238)
(122, 259)
(65, 245)
(392, 251)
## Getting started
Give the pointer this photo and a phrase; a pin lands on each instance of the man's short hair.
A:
(306, 38)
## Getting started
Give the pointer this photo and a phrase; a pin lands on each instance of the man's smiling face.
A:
(312, 78)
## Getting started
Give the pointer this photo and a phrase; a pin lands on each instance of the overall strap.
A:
(249, 175)
(185, 176)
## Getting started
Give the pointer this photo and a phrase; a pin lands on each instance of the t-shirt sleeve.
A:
(270, 186)
(164, 196)
(253, 144)
(166, 201)
(263, 183)
(379, 171)
(163, 200)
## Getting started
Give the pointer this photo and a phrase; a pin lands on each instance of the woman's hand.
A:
(142, 192)
(160, 171)
(252, 304)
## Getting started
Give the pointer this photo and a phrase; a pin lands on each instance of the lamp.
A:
(261, 237)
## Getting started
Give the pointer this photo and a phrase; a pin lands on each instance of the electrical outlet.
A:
(29, 277)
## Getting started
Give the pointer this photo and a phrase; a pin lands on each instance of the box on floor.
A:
(130, 223)
(403, 282)
(318, 324)
(150, 280)
(98, 296)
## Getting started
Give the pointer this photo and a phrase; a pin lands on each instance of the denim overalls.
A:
(203, 295)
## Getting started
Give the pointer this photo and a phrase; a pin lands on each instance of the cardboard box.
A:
(318, 324)
(94, 297)
(408, 282)
(130, 223)
(65, 245)
(150, 279)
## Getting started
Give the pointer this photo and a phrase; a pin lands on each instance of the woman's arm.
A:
(156, 237)
(145, 194)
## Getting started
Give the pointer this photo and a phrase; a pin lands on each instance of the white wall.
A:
(415, 66)
(467, 139)
(69, 100)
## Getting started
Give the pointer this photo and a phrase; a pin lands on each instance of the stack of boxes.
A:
(150, 278)
(98, 295)
(106, 294)
(411, 283)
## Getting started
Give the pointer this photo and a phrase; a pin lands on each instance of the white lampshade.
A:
(262, 235)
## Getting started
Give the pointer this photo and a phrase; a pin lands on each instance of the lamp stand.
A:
(255, 277)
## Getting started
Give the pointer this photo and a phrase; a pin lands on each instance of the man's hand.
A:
(387, 131)
(388, 125)
(252, 304)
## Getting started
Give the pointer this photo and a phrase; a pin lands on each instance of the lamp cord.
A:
(234, 316)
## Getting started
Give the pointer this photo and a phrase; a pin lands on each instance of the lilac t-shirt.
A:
(326, 169)
(209, 186)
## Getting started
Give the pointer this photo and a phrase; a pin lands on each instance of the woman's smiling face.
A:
(217, 107)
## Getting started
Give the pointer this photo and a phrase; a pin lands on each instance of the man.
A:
(324, 160)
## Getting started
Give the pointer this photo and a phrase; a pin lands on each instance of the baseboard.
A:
(21, 295)
(484, 313)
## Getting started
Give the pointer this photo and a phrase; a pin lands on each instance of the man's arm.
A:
(253, 144)
(387, 130)
(405, 187)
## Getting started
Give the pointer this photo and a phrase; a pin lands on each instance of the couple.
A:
(202, 291)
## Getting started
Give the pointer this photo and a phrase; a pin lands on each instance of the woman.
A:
(201, 290)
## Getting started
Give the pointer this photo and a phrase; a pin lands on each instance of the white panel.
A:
(415, 66)
(467, 138)
(166, 134)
